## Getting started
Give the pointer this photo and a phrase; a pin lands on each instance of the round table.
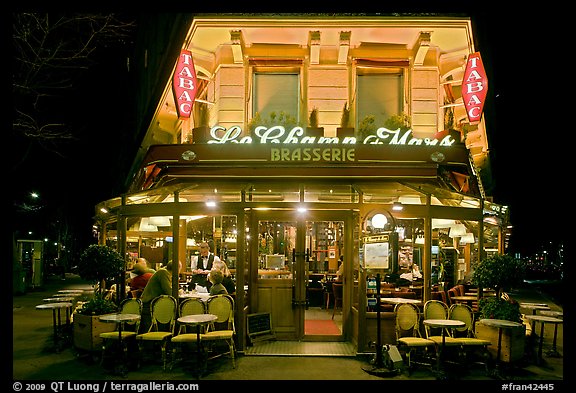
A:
(80, 291)
(199, 320)
(544, 319)
(59, 299)
(398, 300)
(500, 324)
(120, 319)
(444, 324)
(468, 299)
(56, 318)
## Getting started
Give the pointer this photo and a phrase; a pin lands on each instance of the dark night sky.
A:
(526, 163)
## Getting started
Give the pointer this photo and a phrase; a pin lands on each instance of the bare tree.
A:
(51, 52)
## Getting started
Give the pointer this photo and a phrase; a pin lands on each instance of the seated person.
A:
(216, 278)
(227, 281)
(139, 280)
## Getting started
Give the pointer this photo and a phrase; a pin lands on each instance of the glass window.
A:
(276, 92)
(380, 95)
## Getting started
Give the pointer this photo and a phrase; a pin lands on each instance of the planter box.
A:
(513, 341)
(315, 131)
(87, 329)
(344, 132)
(200, 134)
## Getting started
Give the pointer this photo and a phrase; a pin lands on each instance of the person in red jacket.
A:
(140, 279)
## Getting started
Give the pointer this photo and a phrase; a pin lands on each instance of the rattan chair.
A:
(191, 306)
(408, 336)
(163, 309)
(470, 345)
(129, 330)
(223, 328)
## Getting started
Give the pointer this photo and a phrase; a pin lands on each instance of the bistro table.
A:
(59, 299)
(56, 320)
(468, 299)
(199, 320)
(398, 300)
(120, 319)
(500, 324)
(444, 324)
(543, 319)
(79, 291)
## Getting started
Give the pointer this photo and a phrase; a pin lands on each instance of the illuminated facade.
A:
(302, 131)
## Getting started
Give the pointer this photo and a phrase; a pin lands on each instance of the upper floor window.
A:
(380, 93)
(276, 93)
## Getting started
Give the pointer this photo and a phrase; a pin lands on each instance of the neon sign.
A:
(184, 84)
(296, 135)
(474, 87)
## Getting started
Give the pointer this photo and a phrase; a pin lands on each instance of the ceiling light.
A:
(468, 238)
(397, 206)
(457, 230)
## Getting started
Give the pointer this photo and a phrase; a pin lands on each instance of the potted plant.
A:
(366, 127)
(398, 122)
(282, 119)
(501, 273)
(98, 263)
(313, 129)
(345, 130)
(201, 130)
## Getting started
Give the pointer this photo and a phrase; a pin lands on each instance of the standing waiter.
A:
(201, 266)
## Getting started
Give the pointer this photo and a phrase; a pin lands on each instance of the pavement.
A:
(34, 358)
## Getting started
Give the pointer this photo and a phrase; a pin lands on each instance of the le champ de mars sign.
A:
(293, 145)
(474, 87)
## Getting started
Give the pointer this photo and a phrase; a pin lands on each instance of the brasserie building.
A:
(295, 143)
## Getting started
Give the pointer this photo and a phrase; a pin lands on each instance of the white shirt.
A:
(197, 262)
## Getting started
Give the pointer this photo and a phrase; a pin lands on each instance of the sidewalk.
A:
(32, 333)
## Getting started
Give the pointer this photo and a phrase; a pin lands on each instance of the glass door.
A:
(298, 259)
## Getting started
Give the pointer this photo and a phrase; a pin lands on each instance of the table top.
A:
(528, 304)
(197, 319)
(544, 318)
(51, 306)
(119, 317)
(397, 300)
(501, 323)
(535, 306)
(203, 296)
(59, 299)
(551, 313)
(71, 291)
(443, 322)
(67, 294)
(465, 297)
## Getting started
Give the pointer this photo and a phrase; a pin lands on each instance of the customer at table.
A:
(201, 266)
(340, 270)
(139, 280)
(144, 262)
(227, 281)
(159, 284)
(216, 278)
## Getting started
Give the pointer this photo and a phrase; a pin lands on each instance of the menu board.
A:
(376, 255)
(259, 327)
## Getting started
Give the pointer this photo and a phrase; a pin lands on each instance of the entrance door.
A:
(297, 259)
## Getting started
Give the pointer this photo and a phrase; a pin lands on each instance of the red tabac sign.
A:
(474, 87)
(184, 84)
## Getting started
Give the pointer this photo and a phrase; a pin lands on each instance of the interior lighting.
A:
(160, 221)
(457, 230)
(468, 238)
(145, 225)
(210, 203)
(104, 210)
(397, 206)
(379, 221)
